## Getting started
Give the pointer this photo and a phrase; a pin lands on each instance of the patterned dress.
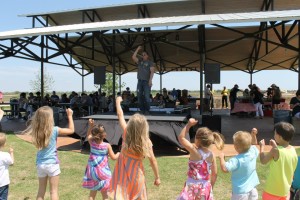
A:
(97, 174)
(128, 179)
(198, 186)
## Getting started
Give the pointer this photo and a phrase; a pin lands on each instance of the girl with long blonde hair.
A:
(128, 179)
(44, 136)
(202, 172)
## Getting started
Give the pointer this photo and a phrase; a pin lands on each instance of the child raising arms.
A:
(128, 179)
(244, 178)
(283, 162)
(44, 135)
(202, 172)
(97, 174)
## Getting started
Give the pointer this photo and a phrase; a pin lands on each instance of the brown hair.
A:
(285, 130)
(205, 137)
(41, 126)
(2, 139)
(242, 141)
(137, 135)
(98, 133)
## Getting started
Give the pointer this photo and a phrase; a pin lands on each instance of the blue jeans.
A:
(4, 192)
(143, 93)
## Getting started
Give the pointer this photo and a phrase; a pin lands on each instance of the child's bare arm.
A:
(214, 172)
(11, 152)
(111, 153)
(222, 162)
(265, 157)
(182, 140)
(89, 131)
(120, 113)
(70, 129)
(154, 166)
(253, 135)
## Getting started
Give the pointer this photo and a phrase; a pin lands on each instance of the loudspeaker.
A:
(99, 75)
(212, 73)
(212, 122)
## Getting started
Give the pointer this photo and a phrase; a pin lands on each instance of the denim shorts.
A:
(4, 192)
(50, 170)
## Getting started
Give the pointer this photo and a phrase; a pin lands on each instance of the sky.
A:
(16, 74)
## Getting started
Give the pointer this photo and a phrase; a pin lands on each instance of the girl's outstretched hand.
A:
(69, 112)
(254, 131)
(157, 182)
(91, 122)
(192, 122)
(119, 100)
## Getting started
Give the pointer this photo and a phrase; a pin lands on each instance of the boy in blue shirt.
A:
(244, 177)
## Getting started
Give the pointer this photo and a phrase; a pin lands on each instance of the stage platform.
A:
(164, 126)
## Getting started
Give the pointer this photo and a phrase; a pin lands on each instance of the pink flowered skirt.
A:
(196, 191)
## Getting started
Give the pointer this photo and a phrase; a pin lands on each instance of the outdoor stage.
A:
(165, 126)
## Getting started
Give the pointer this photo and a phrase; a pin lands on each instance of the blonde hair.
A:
(2, 139)
(137, 135)
(242, 141)
(41, 126)
(98, 133)
(205, 137)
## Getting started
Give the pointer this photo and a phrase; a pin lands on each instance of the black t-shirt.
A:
(296, 109)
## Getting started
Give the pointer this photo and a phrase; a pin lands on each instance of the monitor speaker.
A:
(99, 75)
(212, 73)
(213, 122)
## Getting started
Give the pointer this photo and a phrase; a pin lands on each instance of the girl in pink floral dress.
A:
(202, 172)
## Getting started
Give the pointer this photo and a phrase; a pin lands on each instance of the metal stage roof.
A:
(175, 33)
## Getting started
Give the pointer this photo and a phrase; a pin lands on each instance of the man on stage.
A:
(145, 74)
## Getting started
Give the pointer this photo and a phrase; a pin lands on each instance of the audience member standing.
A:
(295, 105)
(145, 74)
(233, 95)
(276, 96)
(257, 97)
(224, 94)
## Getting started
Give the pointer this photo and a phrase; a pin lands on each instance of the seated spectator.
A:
(23, 103)
(86, 103)
(47, 100)
(295, 105)
(54, 98)
(64, 98)
(174, 93)
(103, 104)
(37, 101)
(161, 101)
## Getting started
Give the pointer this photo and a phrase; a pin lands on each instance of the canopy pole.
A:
(42, 66)
(113, 50)
(201, 39)
(82, 80)
(160, 83)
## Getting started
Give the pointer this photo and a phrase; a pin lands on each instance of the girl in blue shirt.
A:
(44, 136)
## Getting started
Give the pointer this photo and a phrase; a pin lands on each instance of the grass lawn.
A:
(24, 182)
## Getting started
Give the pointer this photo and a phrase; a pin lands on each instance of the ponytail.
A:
(218, 140)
